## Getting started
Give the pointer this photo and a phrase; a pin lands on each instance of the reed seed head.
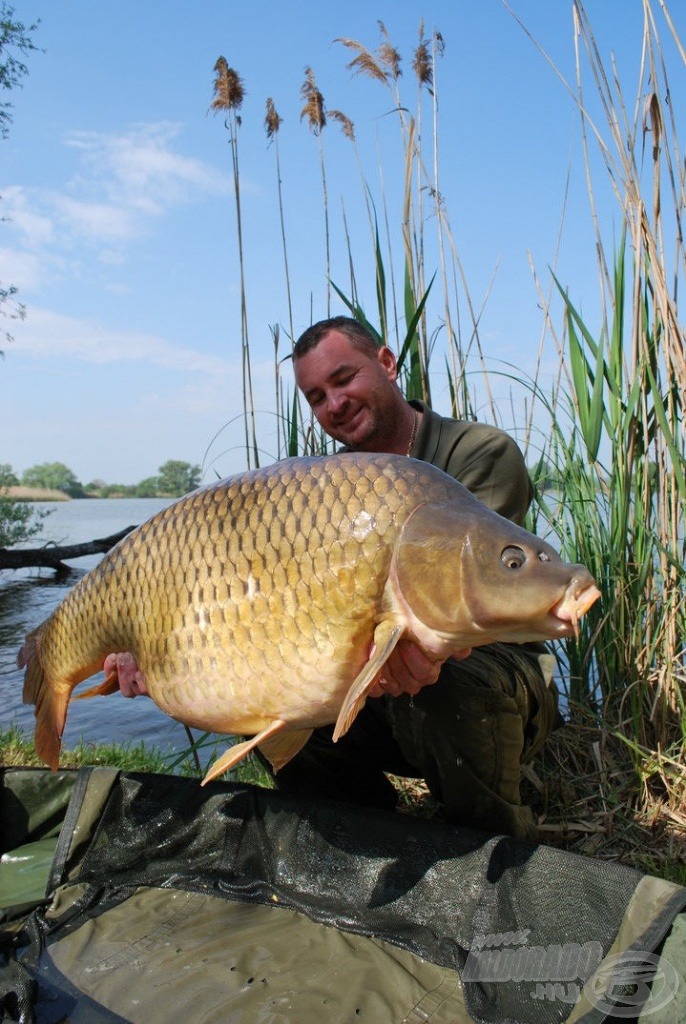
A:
(364, 63)
(388, 55)
(314, 103)
(228, 87)
(272, 121)
(347, 126)
(421, 63)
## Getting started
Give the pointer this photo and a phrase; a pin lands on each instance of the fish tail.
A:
(49, 699)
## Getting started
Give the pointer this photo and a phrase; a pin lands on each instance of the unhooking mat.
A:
(166, 902)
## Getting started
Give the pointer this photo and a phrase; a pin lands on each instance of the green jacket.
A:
(486, 460)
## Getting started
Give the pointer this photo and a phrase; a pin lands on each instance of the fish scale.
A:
(267, 604)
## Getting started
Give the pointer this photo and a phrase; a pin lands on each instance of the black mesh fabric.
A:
(433, 890)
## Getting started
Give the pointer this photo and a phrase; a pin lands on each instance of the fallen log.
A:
(53, 556)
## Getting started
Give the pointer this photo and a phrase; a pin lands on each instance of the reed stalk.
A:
(272, 123)
(228, 99)
(315, 113)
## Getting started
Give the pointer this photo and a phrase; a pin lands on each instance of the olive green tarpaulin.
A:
(146, 898)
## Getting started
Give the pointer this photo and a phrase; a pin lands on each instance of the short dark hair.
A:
(361, 337)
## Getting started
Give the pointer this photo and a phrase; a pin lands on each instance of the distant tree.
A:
(177, 478)
(8, 477)
(19, 521)
(117, 491)
(15, 41)
(148, 488)
(53, 476)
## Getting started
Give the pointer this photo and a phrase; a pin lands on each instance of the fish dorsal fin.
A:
(237, 752)
(386, 636)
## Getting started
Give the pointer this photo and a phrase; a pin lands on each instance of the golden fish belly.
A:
(267, 645)
(219, 704)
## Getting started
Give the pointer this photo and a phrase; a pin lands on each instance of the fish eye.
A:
(513, 558)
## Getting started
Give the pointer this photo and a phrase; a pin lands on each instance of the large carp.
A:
(267, 604)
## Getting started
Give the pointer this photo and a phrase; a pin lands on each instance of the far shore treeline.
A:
(53, 481)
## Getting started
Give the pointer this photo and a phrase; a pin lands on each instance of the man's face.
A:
(353, 395)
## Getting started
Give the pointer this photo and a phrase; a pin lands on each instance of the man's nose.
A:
(335, 402)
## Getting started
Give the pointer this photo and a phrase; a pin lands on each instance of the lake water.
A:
(28, 596)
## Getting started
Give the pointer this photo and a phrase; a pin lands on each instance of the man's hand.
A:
(408, 670)
(129, 676)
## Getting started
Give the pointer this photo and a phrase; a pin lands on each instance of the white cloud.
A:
(112, 257)
(46, 334)
(139, 170)
(19, 268)
(34, 227)
(124, 182)
(103, 222)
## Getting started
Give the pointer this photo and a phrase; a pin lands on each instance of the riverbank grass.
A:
(19, 492)
(17, 750)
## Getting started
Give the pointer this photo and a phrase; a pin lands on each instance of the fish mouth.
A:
(573, 607)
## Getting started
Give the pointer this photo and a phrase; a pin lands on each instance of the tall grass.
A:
(617, 446)
(606, 439)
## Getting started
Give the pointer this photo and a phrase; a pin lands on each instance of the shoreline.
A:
(20, 493)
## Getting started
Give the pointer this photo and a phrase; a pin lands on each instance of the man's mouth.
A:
(347, 423)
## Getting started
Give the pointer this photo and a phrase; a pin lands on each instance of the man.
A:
(464, 726)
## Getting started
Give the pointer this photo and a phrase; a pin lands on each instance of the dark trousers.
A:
(467, 736)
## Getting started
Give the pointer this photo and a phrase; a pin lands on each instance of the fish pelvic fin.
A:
(50, 701)
(109, 685)
(237, 752)
(386, 636)
(281, 748)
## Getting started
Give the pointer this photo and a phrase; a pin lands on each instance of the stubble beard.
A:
(379, 436)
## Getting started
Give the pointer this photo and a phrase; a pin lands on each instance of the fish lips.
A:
(533, 596)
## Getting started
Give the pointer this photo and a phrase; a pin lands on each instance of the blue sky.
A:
(121, 234)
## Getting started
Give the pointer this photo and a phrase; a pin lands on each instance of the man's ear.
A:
(388, 361)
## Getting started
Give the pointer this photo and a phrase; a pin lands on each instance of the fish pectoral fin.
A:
(280, 749)
(109, 685)
(386, 636)
(237, 752)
